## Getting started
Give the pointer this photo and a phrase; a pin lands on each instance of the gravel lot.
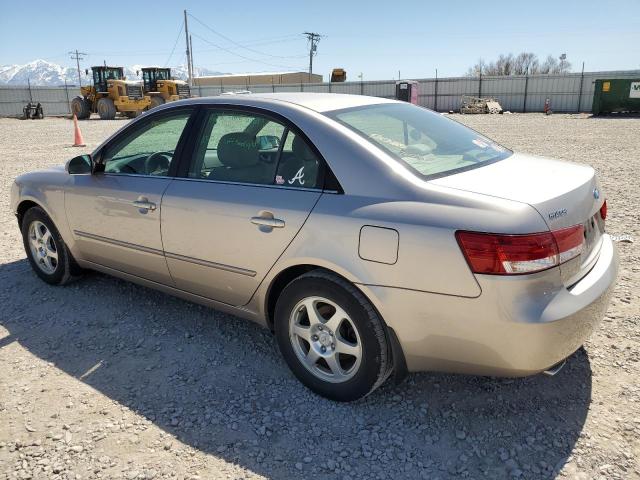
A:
(105, 379)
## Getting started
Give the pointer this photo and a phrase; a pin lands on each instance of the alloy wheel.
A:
(325, 339)
(43, 247)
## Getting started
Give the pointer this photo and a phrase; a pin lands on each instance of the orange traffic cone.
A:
(78, 141)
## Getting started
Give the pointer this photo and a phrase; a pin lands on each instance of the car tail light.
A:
(498, 254)
(603, 210)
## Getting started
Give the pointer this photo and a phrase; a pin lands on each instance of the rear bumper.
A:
(518, 326)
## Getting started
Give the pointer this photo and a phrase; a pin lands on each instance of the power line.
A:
(234, 42)
(256, 42)
(175, 44)
(242, 56)
(77, 56)
(313, 39)
(304, 55)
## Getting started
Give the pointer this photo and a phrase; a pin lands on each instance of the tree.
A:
(526, 62)
(522, 64)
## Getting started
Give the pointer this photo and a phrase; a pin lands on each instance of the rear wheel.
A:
(331, 337)
(156, 101)
(80, 106)
(106, 109)
(46, 251)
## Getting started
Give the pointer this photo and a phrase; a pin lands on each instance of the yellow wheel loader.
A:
(109, 94)
(161, 87)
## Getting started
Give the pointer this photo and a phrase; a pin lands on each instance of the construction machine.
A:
(109, 94)
(161, 87)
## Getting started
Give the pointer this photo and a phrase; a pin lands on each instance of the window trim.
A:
(99, 164)
(182, 172)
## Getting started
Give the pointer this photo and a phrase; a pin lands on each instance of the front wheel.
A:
(81, 107)
(331, 337)
(106, 109)
(46, 251)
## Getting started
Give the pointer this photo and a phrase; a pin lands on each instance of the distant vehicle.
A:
(373, 236)
(237, 92)
(109, 94)
(338, 75)
(162, 87)
(33, 110)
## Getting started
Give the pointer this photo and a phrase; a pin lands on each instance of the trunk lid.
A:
(563, 193)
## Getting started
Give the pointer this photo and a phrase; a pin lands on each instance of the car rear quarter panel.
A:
(428, 257)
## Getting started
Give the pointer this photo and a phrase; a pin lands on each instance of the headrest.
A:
(237, 150)
(301, 150)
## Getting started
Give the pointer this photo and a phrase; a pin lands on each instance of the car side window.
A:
(148, 150)
(299, 166)
(237, 147)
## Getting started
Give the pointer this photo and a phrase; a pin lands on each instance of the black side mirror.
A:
(80, 165)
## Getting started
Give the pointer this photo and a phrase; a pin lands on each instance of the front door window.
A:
(149, 150)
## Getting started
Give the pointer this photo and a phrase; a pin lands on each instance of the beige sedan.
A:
(372, 236)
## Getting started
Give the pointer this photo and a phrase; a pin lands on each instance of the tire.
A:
(80, 106)
(65, 268)
(156, 101)
(106, 109)
(359, 330)
(131, 114)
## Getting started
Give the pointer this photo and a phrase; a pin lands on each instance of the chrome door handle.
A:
(268, 222)
(144, 205)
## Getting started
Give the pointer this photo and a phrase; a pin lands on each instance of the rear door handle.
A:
(144, 204)
(268, 222)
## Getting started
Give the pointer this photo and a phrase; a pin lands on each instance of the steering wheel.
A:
(157, 161)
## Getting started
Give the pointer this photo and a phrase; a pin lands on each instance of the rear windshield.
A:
(430, 144)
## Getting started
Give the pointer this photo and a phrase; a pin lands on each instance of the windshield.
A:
(429, 144)
(113, 74)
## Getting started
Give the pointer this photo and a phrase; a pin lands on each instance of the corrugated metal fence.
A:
(568, 93)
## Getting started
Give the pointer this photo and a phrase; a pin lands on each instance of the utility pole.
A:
(186, 36)
(313, 39)
(77, 56)
(193, 70)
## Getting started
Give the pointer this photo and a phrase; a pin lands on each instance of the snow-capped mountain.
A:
(43, 73)
(39, 72)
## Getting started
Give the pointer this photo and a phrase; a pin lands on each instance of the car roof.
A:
(319, 102)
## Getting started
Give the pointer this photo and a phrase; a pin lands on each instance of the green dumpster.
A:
(616, 95)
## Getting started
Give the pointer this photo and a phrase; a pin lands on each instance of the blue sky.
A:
(375, 38)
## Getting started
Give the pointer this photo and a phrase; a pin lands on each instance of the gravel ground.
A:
(106, 379)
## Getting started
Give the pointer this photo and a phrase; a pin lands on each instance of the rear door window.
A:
(299, 166)
(237, 147)
(247, 147)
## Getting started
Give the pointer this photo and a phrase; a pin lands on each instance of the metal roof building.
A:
(261, 78)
